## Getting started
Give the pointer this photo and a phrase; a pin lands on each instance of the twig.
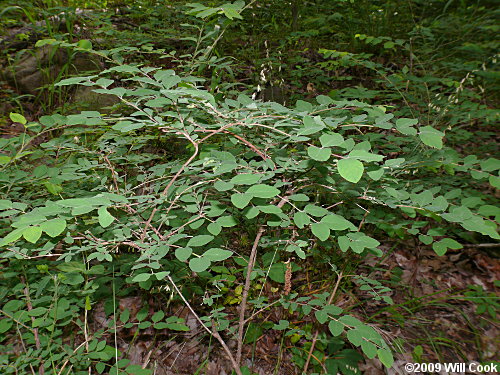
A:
(213, 332)
(35, 330)
(165, 191)
(113, 173)
(315, 337)
(35, 256)
(246, 288)
(482, 245)
(310, 354)
(261, 310)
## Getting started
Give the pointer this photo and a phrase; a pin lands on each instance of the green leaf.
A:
(277, 272)
(320, 230)
(53, 188)
(127, 126)
(199, 264)
(355, 337)
(377, 174)
(125, 315)
(53, 227)
(200, 240)
(405, 126)
(301, 219)
(431, 137)
(458, 214)
(137, 370)
(337, 222)
(38, 311)
(333, 310)
(246, 179)
(299, 197)
(214, 228)
(270, 209)
(385, 357)
(85, 44)
(283, 324)
(351, 321)
(445, 244)
(226, 221)
(13, 305)
(314, 210)
(177, 327)
(241, 200)
(183, 253)
(319, 154)
(217, 255)
(311, 125)
(336, 328)
(104, 82)
(263, 191)
(331, 140)
(494, 181)
(12, 236)
(161, 275)
(100, 367)
(490, 165)
(223, 185)
(369, 349)
(425, 239)
(16, 117)
(365, 155)
(104, 217)
(350, 169)
(321, 316)
(157, 316)
(5, 325)
(141, 277)
(231, 13)
(32, 234)
(252, 213)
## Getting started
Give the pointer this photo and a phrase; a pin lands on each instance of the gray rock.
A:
(43, 66)
(272, 94)
(85, 99)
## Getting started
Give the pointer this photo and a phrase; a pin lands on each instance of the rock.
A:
(36, 70)
(272, 94)
(84, 99)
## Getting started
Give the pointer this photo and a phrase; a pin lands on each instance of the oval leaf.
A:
(431, 137)
(263, 191)
(200, 240)
(16, 117)
(105, 218)
(241, 200)
(350, 169)
(53, 227)
(32, 234)
(199, 264)
(319, 154)
(246, 179)
(217, 255)
(321, 231)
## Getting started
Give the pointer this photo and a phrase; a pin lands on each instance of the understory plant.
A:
(212, 199)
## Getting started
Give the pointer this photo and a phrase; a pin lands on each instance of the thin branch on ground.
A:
(213, 332)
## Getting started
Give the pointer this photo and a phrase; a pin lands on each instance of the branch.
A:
(330, 300)
(246, 288)
(213, 332)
